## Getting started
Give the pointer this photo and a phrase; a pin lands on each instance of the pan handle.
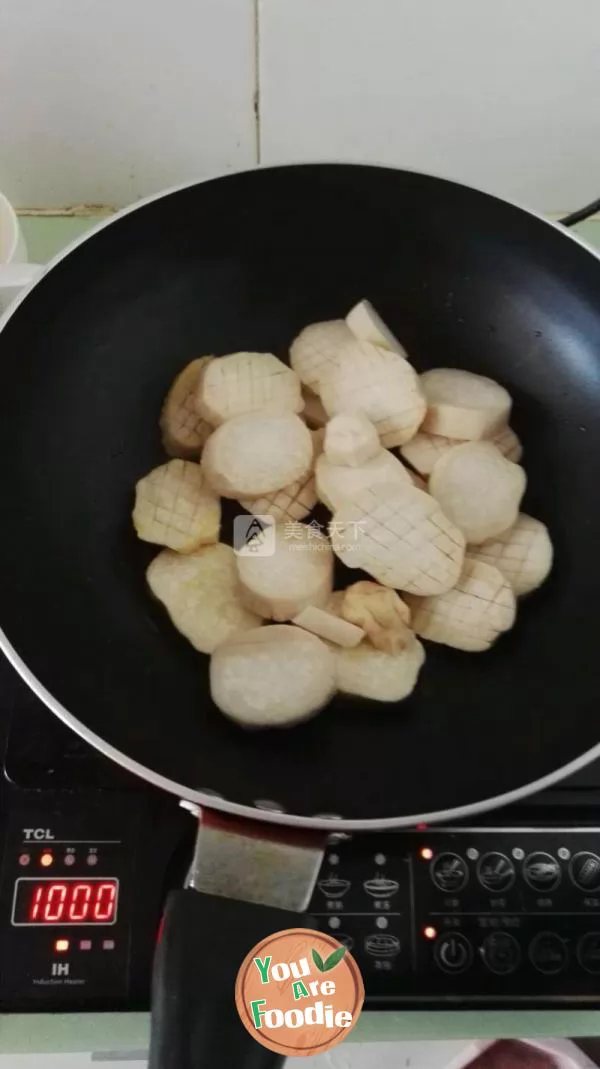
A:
(204, 939)
(582, 213)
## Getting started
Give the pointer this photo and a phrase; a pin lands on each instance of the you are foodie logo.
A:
(299, 992)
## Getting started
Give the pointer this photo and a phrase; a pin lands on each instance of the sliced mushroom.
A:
(523, 554)
(184, 431)
(382, 614)
(463, 405)
(337, 483)
(247, 382)
(257, 453)
(382, 677)
(478, 489)
(200, 592)
(272, 677)
(401, 537)
(176, 507)
(299, 572)
(472, 615)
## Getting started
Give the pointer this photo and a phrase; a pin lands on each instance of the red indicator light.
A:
(426, 853)
(24, 859)
(421, 827)
(429, 933)
(61, 946)
(46, 860)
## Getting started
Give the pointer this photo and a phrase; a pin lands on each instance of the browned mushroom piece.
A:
(381, 613)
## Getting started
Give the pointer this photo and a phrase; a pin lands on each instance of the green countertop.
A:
(120, 1032)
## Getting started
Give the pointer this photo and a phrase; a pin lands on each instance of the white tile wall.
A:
(103, 101)
(501, 94)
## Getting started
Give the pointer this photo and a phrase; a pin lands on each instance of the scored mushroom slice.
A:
(367, 325)
(293, 502)
(425, 449)
(316, 351)
(463, 405)
(257, 453)
(184, 431)
(381, 612)
(478, 489)
(176, 507)
(380, 385)
(247, 382)
(523, 554)
(298, 572)
(200, 592)
(337, 483)
(384, 677)
(471, 616)
(401, 537)
(329, 626)
(273, 676)
(351, 440)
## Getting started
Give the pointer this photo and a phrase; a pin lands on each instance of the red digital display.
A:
(67, 901)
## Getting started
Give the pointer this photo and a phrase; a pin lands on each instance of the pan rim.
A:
(200, 798)
(188, 795)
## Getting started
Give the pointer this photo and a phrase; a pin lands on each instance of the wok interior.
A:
(245, 262)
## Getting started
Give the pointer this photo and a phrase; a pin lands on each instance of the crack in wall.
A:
(256, 101)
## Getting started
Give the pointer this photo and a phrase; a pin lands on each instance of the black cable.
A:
(581, 214)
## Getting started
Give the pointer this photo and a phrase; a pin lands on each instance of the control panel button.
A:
(585, 871)
(453, 953)
(588, 952)
(334, 887)
(449, 873)
(382, 946)
(381, 887)
(548, 953)
(496, 872)
(541, 871)
(501, 953)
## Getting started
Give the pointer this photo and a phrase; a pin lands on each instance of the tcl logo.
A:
(37, 833)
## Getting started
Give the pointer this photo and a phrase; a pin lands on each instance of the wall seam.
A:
(256, 100)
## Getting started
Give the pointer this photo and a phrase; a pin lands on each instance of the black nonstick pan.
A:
(244, 262)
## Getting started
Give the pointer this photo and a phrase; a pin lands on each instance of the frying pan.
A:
(244, 262)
